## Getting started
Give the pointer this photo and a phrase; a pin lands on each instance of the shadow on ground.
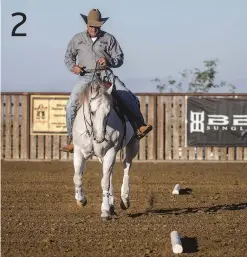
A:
(189, 244)
(177, 211)
(185, 191)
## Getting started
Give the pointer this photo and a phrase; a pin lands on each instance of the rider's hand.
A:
(102, 62)
(77, 69)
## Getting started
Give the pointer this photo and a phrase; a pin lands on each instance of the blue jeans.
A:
(127, 100)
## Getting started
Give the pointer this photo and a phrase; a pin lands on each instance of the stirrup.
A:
(140, 134)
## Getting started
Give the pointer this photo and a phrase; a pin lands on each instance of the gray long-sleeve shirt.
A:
(87, 52)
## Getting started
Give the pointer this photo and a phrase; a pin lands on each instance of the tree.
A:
(198, 80)
(160, 87)
(169, 85)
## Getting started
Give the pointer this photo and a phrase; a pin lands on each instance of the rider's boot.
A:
(69, 147)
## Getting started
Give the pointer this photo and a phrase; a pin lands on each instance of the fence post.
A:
(25, 126)
(152, 136)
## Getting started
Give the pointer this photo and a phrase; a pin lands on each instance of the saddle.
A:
(117, 106)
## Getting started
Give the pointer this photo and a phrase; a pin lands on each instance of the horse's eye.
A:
(93, 113)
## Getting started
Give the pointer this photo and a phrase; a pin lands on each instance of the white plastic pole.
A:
(176, 242)
(176, 189)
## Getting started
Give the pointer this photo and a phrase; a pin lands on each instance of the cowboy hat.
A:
(94, 18)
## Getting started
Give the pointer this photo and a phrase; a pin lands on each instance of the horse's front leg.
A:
(79, 166)
(108, 163)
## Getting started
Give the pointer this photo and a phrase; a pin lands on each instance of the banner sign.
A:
(216, 122)
(48, 115)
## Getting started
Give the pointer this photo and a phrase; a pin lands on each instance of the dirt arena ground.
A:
(40, 216)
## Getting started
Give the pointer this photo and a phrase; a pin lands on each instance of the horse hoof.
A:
(106, 218)
(112, 210)
(124, 204)
(105, 215)
(81, 203)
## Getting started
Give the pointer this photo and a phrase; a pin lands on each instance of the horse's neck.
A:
(83, 115)
(85, 104)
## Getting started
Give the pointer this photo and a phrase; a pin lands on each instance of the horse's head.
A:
(99, 106)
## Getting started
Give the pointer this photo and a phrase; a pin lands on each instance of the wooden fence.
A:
(166, 112)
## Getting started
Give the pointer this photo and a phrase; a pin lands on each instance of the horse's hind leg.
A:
(108, 163)
(111, 195)
(130, 152)
(79, 166)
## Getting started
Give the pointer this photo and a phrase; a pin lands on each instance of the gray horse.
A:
(99, 131)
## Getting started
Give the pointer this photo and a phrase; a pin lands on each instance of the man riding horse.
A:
(91, 47)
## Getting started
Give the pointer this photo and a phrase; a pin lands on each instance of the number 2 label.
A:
(24, 18)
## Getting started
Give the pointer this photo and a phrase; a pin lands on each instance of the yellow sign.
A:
(48, 114)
